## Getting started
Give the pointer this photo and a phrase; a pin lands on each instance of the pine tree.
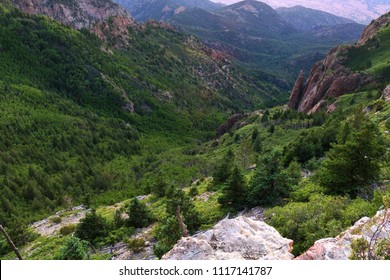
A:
(139, 215)
(74, 249)
(271, 181)
(91, 227)
(353, 163)
(234, 192)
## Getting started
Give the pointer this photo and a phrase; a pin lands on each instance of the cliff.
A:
(331, 77)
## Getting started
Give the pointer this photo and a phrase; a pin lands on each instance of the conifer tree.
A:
(353, 163)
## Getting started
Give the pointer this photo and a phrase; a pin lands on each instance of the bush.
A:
(56, 220)
(67, 229)
(74, 249)
(136, 245)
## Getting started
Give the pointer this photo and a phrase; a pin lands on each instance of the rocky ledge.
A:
(241, 238)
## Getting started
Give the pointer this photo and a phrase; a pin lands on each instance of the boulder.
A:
(241, 238)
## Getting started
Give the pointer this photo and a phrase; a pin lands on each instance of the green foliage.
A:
(320, 217)
(177, 198)
(136, 245)
(68, 229)
(139, 215)
(353, 164)
(56, 220)
(271, 181)
(234, 191)
(92, 227)
(74, 249)
(20, 232)
(167, 235)
(224, 168)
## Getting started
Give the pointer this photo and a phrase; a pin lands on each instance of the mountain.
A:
(345, 69)
(78, 14)
(361, 11)
(306, 19)
(259, 37)
(143, 10)
(77, 111)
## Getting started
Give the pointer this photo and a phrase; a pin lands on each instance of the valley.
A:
(123, 138)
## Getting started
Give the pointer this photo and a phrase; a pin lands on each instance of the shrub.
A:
(74, 249)
(136, 245)
(67, 229)
(56, 219)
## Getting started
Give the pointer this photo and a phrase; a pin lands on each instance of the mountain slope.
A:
(346, 68)
(306, 19)
(77, 115)
(260, 38)
(143, 10)
(78, 14)
(362, 11)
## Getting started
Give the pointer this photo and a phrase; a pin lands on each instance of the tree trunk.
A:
(11, 244)
(180, 221)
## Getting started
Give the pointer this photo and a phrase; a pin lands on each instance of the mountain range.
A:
(361, 11)
(280, 42)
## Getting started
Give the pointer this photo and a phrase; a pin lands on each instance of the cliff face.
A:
(234, 239)
(330, 77)
(77, 14)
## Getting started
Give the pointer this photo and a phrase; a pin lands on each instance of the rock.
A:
(386, 94)
(297, 91)
(241, 238)
(373, 28)
(339, 248)
(330, 78)
(77, 14)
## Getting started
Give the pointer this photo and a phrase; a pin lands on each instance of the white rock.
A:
(238, 239)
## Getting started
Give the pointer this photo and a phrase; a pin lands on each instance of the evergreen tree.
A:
(167, 235)
(74, 249)
(271, 181)
(353, 163)
(92, 227)
(176, 197)
(223, 169)
(234, 192)
(139, 215)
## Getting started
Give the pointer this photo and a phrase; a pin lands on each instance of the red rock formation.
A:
(330, 78)
(297, 91)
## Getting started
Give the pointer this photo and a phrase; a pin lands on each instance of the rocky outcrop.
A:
(330, 78)
(297, 91)
(241, 238)
(77, 14)
(339, 248)
(386, 94)
(373, 28)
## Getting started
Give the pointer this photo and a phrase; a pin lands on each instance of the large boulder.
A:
(241, 238)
